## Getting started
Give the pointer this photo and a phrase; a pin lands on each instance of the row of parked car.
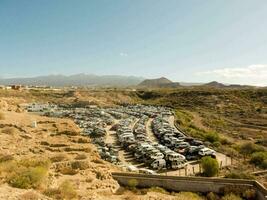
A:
(172, 138)
(171, 151)
(93, 122)
(153, 155)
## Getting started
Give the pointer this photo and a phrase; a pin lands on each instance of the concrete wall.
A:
(192, 184)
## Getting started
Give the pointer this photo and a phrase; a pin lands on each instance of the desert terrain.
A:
(72, 167)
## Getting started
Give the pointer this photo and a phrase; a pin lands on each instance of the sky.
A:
(183, 40)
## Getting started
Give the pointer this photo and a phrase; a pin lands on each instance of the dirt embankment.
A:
(72, 156)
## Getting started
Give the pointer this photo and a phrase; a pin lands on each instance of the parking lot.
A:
(138, 138)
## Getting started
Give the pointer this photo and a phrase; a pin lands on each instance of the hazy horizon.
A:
(184, 41)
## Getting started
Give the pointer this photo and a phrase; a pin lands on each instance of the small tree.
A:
(210, 166)
(248, 148)
(259, 158)
(212, 137)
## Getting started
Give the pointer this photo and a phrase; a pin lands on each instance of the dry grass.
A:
(9, 130)
(5, 157)
(65, 191)
(231, 197)
(81, 157)
(68, 171)
(28, 173)
(58, 158)
(188, 195)
(29, 196)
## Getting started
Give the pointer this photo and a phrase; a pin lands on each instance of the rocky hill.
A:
(215, 84)
(158, 82)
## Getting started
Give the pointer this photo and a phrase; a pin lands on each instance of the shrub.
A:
(259, 159)
(100, 175)
(25, 174)
(239, 175)
(58, 158)
(54, 193)
(80, 157)
(28, 178)
(158, 190)
(238, 190)
(249, 194)
(64, 191)
(82, 165)
(231, 197)
(212, 196)
(264, 164)
(216, 144)
(67, 190)
(188, 195)
(212, 137)
(5, 158)
(132, 183)
(249, 148)
(210, 166)
(35, 163)
(9, 130)
(68, 171)
(29, 196)
(225, 141)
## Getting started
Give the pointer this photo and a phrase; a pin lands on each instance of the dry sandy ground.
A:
(58, 137)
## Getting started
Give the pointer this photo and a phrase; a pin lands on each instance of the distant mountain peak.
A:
(215, 84)
(158, 82)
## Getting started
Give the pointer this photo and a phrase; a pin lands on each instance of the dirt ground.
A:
(25, 135)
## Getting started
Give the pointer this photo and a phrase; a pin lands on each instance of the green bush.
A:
(210, 166)
(28, 173)
(132, 183)
(259, 159)
(212, 137)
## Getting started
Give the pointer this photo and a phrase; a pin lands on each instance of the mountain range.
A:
(75, 80)
(92, 80)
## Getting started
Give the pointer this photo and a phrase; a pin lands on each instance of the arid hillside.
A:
(48, 158)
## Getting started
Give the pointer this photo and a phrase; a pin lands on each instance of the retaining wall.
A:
(192, 184)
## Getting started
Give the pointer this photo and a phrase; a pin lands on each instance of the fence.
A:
(192, 184)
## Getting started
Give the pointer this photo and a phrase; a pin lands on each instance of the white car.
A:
(207, 152)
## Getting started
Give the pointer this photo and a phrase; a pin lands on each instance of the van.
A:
(158, 164)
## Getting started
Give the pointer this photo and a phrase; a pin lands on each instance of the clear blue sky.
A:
(189, 40)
